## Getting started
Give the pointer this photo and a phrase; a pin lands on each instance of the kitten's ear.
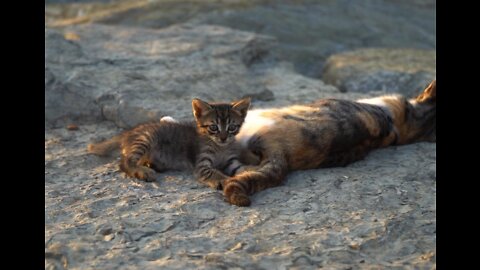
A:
(200, 107)
(242, 105)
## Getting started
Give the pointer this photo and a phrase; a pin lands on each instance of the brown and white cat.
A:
(329, 132)
(206, 146)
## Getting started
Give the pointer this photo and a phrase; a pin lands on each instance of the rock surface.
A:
(124, 74)
(308, 31)
(406, 71)
(376, 213)
(131, 75)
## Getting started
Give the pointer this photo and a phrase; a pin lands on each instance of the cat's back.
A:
(171, 145)
(321, 113)
(163, 131)
(286, 120)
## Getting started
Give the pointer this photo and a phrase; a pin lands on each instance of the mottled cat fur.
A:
(326, 133)
(206, 146)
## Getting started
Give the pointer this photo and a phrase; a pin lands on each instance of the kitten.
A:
(206, 146)
(329, 132)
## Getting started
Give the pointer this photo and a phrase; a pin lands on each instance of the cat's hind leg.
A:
(136, 161)
(138, 170)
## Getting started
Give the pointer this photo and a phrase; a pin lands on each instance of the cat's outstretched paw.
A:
(235, 194)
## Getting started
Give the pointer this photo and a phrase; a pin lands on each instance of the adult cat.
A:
(326, 133)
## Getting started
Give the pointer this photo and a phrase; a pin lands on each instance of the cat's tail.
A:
(106, 147)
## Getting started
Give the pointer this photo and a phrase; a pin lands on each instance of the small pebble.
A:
(354, 246)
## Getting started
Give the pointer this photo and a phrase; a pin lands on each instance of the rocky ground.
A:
(378, 213)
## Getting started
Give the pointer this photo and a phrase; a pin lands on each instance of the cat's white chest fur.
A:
(252, 124)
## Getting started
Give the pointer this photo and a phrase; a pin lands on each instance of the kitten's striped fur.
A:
(206, 146)
(217, 125)
(329, 132)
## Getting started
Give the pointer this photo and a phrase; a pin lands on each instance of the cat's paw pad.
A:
(144, 173)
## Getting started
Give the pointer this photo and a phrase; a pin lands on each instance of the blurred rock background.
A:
(325, 40)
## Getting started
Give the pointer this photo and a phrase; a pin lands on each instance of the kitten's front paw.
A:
(144, 173)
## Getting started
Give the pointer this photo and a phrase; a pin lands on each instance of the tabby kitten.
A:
(206, 146)
(329, 132)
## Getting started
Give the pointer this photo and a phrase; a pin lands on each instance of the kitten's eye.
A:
(213, 127)
(232, 128)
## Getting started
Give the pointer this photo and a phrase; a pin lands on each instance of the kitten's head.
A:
(220, 121)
